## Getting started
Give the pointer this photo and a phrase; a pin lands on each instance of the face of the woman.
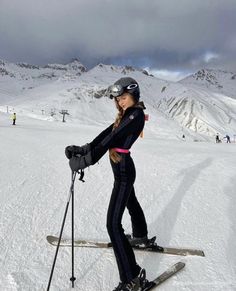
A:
(125, 101)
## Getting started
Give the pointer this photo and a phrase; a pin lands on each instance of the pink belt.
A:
(123, 151)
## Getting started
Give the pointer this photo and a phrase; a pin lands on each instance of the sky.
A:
(169, 38)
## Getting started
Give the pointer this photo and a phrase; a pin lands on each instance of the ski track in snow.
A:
(187, 191)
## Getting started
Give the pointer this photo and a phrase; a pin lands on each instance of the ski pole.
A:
(72, 279)
(62, 227)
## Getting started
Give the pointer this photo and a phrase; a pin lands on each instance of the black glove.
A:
(74, 150)
(80, 162)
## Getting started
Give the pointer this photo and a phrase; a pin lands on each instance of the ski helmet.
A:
(123, 85)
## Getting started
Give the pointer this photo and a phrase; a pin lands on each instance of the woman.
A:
(118, 139)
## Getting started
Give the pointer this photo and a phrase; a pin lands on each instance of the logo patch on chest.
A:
(131, 117)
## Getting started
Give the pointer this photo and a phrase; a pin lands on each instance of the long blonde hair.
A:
(114, 156)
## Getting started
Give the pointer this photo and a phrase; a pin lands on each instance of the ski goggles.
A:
(117, 90)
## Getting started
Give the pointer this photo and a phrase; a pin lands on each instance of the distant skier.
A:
(118, 139)
(14, 119)
(227, 138)
(217, 138)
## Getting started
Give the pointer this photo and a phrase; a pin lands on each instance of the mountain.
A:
(195, 106)
(25, 72)
(118, 69)
(201, 110)
(217, 81)
(16, 79)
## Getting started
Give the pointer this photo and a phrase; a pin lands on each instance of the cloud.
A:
(168, 75)
(209, 56)
(163, 34)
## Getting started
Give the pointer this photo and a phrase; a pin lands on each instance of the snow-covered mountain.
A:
(16, 79)
(24, 71)
(201, 110)
(189, 107)
(218, 81)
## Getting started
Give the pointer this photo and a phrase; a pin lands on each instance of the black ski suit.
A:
(123, 194)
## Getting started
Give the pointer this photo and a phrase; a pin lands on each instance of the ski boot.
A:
(137, 284)
(137, 241)
(144, 242)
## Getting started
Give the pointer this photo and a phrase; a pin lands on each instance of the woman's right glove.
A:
(80, 162)
(73, 150)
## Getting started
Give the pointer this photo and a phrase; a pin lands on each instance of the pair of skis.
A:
(151, 247)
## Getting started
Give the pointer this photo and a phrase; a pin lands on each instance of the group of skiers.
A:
(227, 137)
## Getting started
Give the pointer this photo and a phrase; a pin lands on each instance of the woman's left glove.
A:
(80, 162)
(73, 150)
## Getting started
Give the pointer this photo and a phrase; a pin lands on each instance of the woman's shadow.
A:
(231, 254)
(165, 222)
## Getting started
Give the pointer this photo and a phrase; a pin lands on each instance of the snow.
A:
(186, 188)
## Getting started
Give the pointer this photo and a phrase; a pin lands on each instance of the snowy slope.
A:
(187, 191)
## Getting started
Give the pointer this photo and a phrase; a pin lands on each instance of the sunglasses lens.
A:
(117, 90)
(114, 91)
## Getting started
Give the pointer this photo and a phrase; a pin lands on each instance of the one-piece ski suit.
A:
(123, 194)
